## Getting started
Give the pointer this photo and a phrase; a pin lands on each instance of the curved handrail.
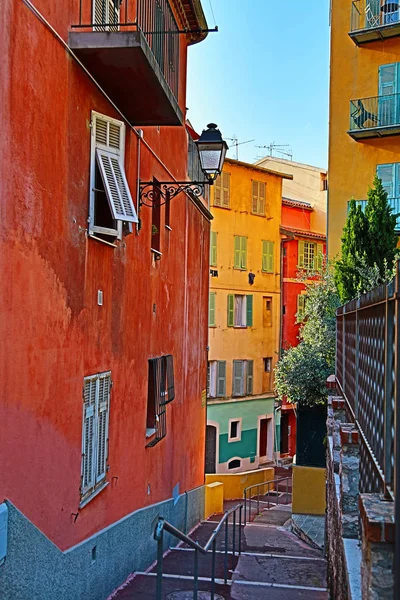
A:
(258, 485)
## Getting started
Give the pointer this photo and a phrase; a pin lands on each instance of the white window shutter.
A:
(103, 412)
(89, 434)
(116, 186)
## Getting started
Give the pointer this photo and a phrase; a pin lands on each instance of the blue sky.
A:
(264, 75)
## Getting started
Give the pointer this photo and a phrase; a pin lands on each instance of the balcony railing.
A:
(369, 22)
(394, 204)
(377, 116)
(153, 18)
(368, 373)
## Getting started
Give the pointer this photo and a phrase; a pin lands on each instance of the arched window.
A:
(234, 464)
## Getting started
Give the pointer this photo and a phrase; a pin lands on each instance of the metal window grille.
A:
(161, 391)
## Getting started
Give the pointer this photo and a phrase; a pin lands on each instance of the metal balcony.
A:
(132, 50)
(393, 202)
(369, 22)
(378, 116)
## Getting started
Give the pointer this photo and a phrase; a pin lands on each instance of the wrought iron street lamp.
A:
(212, 151)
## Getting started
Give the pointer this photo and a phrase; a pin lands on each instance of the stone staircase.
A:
(273, 564)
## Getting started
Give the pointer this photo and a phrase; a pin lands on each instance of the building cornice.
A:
(193, 19)
(239, 163)
(293, 232)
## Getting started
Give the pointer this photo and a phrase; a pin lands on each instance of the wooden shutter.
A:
(221, 378)
(268, 257)
(231, 310)
(249, 377)
(211, 310)
(320, 257)
(261, 198)
(243, 252)
(387, 174)
(264, 259)
(218, 191)
(103, 412)
(89, 434)
(213, 249)
(116, 186)
(254, 204)
(249, 311)
(238, 378)
(226, 189)
(300, 260)
(237, 252)
(301, 303)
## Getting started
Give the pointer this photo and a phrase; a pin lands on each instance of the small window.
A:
(235, 430)
(96, 412)
(258, 198)
(161, 391)
(324, 182)
(267, 315)
(111, 202)
(234, 464)
(268, 365)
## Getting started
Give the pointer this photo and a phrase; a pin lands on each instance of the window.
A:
(216, 379)
(213, 249)
(234, 464)
(267, 375)
(389, 87)
(258, 198)
(211, 309)
(235, 430)
(161, 391)
(96, 411)
(110, 199)
(222, 190)
(267, 256)
(324, 182)
(242, 378)
(310, 255)
(268, 365)
(106, 12)
(267, 314)
(240, 310)
(390, 176)
(301, 304)
(240, 252)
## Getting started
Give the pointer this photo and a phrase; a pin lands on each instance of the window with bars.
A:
(110, 201)
(216, 379)
(222, 190)
(242, 384)
(240, 310)
(240, 252)
(258, 198)
(161, 391)
(96, 413)
(267, 256)
(310, 255)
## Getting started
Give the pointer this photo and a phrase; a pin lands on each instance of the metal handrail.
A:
(164, 525)
(374, 111)
(258, 486)
(368, 15)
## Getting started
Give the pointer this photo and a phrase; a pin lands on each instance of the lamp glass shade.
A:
(212, 151)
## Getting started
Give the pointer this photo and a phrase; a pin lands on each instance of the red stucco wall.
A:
(53, 333)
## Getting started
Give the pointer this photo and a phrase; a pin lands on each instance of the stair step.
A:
(256, 592)
(294, 572)
(182, 563)
(143, 587)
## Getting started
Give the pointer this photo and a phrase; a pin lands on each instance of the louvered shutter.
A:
(103, 406)
(211, 310)
(243, 252)
(261, 198)
(218, 191)
(270, 257)
(213, 249)
(264, 260)
(320, 257)
(254, 205)
(231, 310)
(249, 377)
(387, 174)
(226, 192)
(249, 311)
(237, 252)
(89, 435)
(301, 303)
(388, 89)
(301, 254)
(221, 378)
(116, 186)
(238, 377)
(169, 362)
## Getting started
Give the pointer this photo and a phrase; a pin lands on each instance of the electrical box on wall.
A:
(3, 532)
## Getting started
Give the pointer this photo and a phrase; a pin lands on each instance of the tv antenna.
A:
(278, 149)
(236, 143)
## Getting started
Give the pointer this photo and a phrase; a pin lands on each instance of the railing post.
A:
(287, 488)
(258, 499)
(245, 502)
(390, 337)
(397, 438)
(196, 575)
(240, 530)
(226, 552)
(159, 565)
(213, 570)
(234, 533)
(357, 361)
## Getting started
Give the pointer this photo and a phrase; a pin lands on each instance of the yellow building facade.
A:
(364, 125)
(244, 316)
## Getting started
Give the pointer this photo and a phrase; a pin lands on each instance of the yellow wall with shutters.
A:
(260, 340)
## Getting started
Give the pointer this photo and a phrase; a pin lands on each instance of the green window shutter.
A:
(320, 256)
(231, 310)
(243, 253)
(213, 249)
(211, 309)
(238, 378)
(249, 311)
(237, 252)
(300, 259)
(249, 377)
(270, 257)
(301, 304)
(221, 378)
(264, 256)
(254, 204)
(261, 199)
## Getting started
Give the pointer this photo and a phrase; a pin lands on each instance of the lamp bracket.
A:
(155, 194)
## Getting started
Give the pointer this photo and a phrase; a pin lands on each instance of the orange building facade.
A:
(104, 344)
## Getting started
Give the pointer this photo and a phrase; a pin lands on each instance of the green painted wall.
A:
(243, 449)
